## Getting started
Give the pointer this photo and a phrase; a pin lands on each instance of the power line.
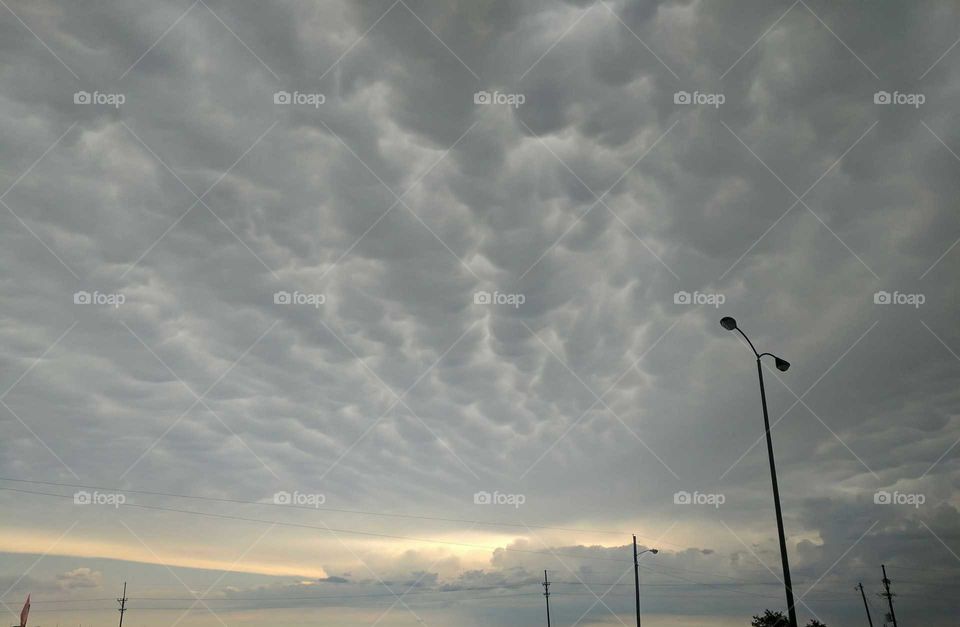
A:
(330, 529)
(325, 508)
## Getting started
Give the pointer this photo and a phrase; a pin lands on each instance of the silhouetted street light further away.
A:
(783, 365)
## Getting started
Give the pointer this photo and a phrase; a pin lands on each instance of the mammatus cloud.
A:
(384, 257)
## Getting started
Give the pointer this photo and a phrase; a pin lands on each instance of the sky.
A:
(369, 312)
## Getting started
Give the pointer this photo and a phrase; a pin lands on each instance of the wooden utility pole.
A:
(546, 595)
(865, 606)
(888, 595)
(123, 603)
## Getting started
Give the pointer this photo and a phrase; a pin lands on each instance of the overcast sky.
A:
(458, 268)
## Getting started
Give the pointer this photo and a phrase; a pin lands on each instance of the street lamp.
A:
(730, 324)
(636, 572)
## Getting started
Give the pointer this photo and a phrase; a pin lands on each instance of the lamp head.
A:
(654, 551)
(782, 364)
(728, 323)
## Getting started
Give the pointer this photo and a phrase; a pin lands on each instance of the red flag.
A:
(25, 612)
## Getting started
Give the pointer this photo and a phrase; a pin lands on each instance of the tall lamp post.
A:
(636, 573)
(730, 324)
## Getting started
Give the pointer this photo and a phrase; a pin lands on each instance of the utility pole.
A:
(123, 603)
(546, 595)
(636, 578)
(865, 606)
(888, 594)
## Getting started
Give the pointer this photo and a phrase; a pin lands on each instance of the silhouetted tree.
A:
(770, 619)
(777, 619)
